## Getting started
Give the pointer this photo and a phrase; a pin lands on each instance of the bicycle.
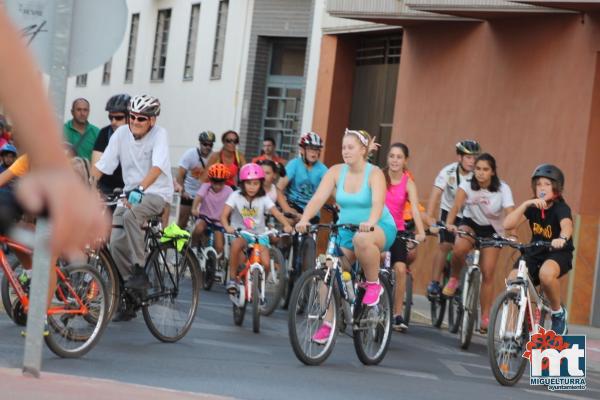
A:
(514, 318)
(76, 317)
(322, 290)
(207, 255)
(252, 278)
(387, 269)
(170, 304)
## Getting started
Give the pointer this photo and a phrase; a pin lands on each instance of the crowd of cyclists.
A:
(132, 153)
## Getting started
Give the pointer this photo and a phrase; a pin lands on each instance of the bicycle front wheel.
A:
(504, 348)
(470, 310)
(408, 298)
(275, 282)
(171, 302)
(73, 334)
(308, 310)
(104, 263)
(372, 326)
(256, 278)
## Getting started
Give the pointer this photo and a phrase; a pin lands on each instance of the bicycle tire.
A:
(256, 278)
(275, 283)
(454, 313)
(469, 314)
(238, 314)
(437, 305)
(306, 300)
(172, 301)
(9, 296)
(108, 271)
(208, 275)
(505, 347)
(82, 331)
(308, 249)
(408, 298)
(381, 331)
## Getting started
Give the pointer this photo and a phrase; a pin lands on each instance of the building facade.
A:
(523, 78)
(214, 64)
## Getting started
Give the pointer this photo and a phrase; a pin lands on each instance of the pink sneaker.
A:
(322, 334)
(373, 291)
(450, 287)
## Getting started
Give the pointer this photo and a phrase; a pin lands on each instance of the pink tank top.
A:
(395, 198)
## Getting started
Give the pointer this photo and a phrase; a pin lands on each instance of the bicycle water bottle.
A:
(347, 278)
(174, 208)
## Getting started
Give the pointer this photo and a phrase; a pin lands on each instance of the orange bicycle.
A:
(77, 313)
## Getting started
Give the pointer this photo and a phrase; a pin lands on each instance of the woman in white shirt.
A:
(486, 200)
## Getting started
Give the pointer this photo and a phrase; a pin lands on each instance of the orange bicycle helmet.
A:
(219, 172)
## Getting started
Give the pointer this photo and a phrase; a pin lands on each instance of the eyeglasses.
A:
(205, 144)
(116, 117)
(138, 118)
(234, 141)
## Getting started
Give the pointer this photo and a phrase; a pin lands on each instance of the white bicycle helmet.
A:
(145, 105)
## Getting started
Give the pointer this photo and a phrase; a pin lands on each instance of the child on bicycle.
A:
(209, 202)
(486, 199)
(271, 171)
(549, 218)
(400, 189)
(247, 207)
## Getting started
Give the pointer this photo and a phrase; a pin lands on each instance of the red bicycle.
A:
(77, 312)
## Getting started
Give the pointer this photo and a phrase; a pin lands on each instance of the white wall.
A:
(188, 107)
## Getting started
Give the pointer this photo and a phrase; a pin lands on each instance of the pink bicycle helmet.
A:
(251, 171)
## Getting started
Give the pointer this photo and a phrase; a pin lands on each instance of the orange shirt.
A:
(21, 166)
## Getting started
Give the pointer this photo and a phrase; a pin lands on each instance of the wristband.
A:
(563, 237)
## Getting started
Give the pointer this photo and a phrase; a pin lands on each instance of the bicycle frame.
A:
(474, 266)
(253, 263)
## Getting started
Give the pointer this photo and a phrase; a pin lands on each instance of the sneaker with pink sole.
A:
(373, 290)
(450, 287)
(322, 334)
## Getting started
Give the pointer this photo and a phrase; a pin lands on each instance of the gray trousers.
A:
(127, 243)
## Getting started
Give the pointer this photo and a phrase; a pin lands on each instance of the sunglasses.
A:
(234, 141)
(138, 118)
(116, 117)
(207, 144)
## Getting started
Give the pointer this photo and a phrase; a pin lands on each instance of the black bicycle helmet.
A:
(468, 147)
(118, 103)
(206, 137)
(551, 172)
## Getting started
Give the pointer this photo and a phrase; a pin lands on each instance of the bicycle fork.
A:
(250, 282)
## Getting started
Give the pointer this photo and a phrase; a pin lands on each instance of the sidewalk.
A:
(13, 385)
(421, 313)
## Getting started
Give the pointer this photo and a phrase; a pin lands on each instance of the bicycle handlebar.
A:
(350, 227)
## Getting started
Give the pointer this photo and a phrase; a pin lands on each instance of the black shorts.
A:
(534, 263)
(409, 225)
(10, 210)
(186, 202)
(398, 250)
(445, 236)
(486, 231)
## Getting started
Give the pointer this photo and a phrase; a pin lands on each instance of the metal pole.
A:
(36, 315)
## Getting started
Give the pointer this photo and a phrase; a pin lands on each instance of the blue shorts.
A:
(345, 237)
(263, 240)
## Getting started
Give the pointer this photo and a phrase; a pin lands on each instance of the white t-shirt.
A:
(190, 161)
(246, 215)
(485, 207)
(448, 183)
(137, 157)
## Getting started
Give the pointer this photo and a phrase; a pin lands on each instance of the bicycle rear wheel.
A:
(105, 265)
(9, 296)
(470, 310)
(307, 311)
(73, 335)
(171, 303)
(275, 282)
(505, 351)
(372, 326)
(454, 313)
(408, 297)
(438, 309)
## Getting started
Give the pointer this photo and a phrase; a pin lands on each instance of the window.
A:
(133, 33)
(161, 39)
(81, 80)
(219, 49)
(190, 51)
(106, 72)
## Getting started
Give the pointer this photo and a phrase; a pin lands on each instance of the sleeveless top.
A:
(355, 208)
(233, 168)
(395, 200)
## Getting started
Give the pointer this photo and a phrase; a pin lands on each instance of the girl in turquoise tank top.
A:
(359, 189)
